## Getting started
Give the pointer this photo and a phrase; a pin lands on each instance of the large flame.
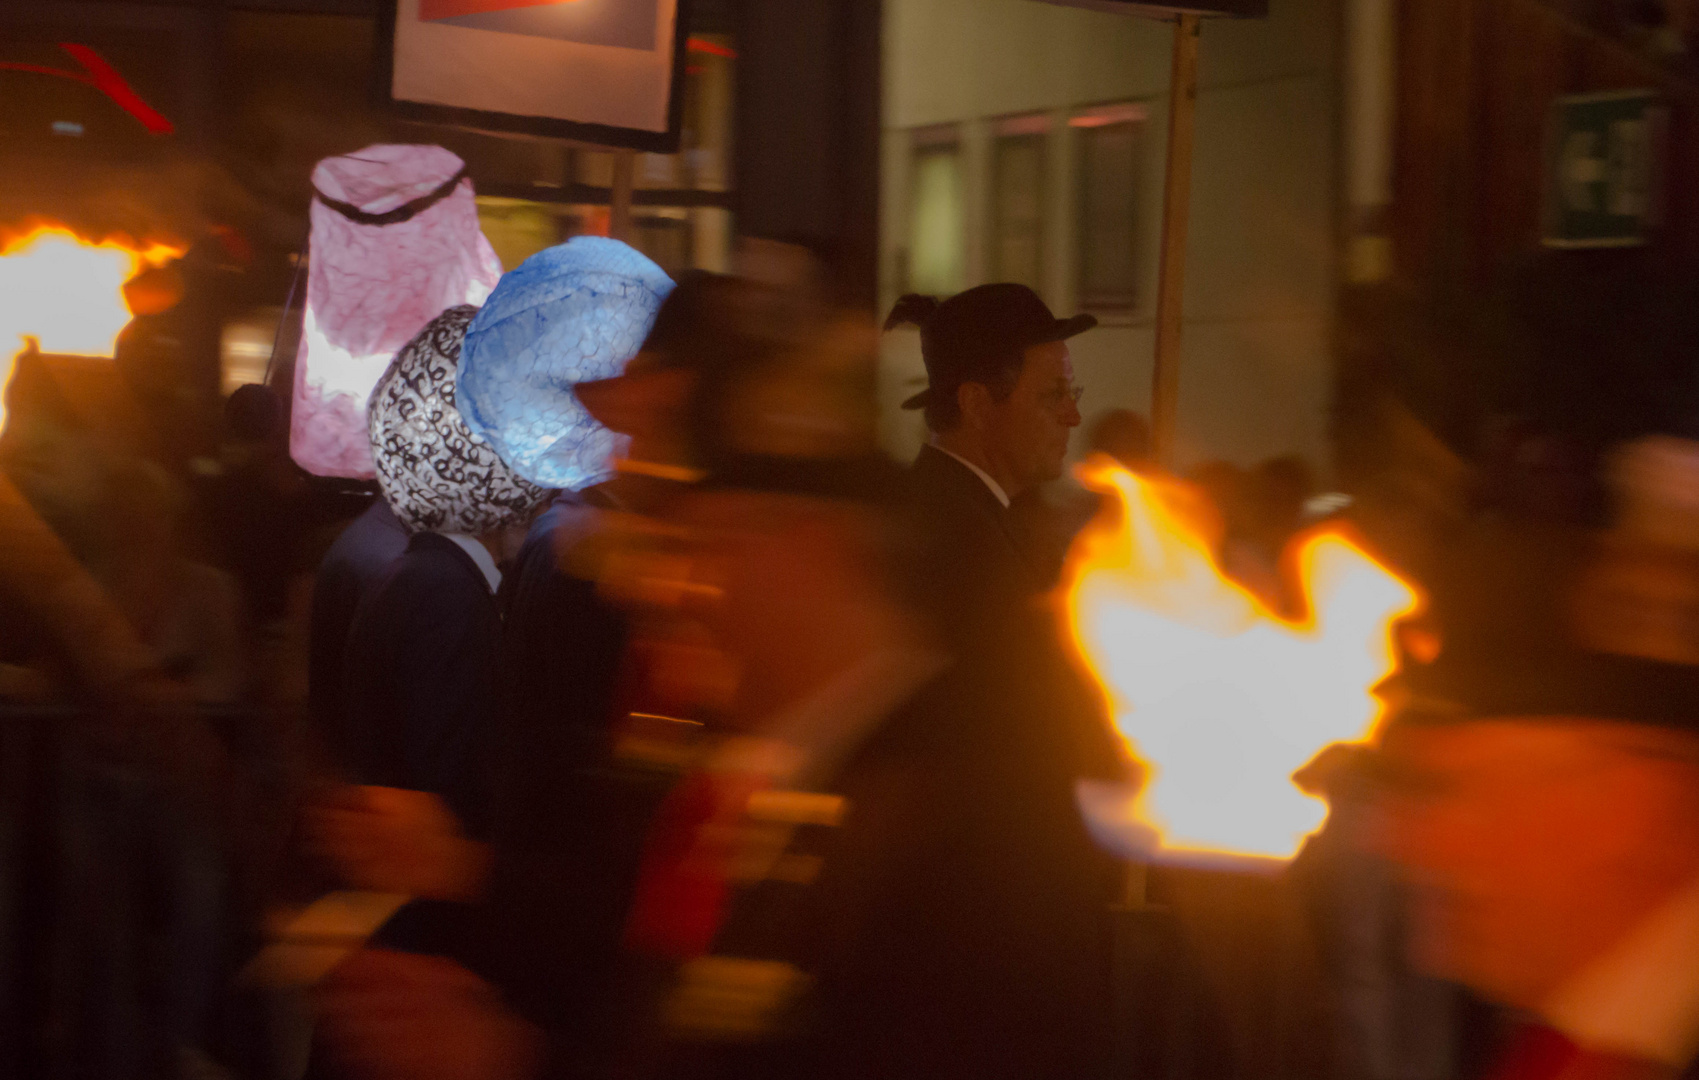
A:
(67, 293)
(1219, 698)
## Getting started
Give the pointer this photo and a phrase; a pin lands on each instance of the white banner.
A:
(598, 70)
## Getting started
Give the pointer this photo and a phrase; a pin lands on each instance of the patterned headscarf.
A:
(435, 473)
(568, 314)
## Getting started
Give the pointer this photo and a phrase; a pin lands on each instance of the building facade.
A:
(1024, 141)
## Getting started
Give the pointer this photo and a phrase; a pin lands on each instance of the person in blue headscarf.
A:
(575, 801)
(575, 797)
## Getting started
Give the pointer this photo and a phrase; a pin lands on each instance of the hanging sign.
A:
(1604, 164)
(600, 71)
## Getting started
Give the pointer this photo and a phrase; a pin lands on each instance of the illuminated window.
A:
(245, 347)
(1017, 207)
(936, 263)
(1111, 154)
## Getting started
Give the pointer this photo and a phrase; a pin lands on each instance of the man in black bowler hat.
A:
(1000, 404)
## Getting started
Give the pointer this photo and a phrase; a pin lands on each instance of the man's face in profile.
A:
(1029, 429)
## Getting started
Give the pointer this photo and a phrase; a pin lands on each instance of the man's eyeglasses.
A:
(1061, 396)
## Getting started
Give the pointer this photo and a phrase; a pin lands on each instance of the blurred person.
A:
(1000, 404)
(1125, 436)
(1391, 1021)
(576, 794)
(570, 818)
(141, 828)
(537, 857)
(70, 448)
(878, 869)
(419, 667)
(1222, 484)
(1270, 513)
(1053, 514)
(188, 613)
(61, 622)
(1543, 802)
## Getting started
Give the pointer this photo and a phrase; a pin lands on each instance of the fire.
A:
(67, 293)
(1219, 698)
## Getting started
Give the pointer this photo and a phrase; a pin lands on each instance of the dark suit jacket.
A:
(357, 560)
(568, 834)
(973, 569)
(420, 679)
(959, 925)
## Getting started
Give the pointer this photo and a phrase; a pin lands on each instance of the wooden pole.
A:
(1170, 292)
(619, 207)
(1176, 206)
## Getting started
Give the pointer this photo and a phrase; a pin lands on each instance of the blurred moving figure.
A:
(72, 445)
(1125, 436)
(188, 613)
(575, 797)
(1544, 802)
(1053, 514)
(100, 605)
(1000, 404)
(1390, 1020)
(1267, 514)
(878, 871)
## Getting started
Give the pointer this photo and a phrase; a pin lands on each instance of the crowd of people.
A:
(757, 756)
(742, 751)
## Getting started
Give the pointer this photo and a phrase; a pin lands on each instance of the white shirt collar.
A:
(1642, 997)
(480, 555)
(996, 488)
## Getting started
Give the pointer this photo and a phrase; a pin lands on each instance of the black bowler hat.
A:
(980, 334)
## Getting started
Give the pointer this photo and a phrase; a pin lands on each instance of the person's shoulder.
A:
(932, 467)
(938, 485)
(433, 570)
(368, 544)
(565, 524)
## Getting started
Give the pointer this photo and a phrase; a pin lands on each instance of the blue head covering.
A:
(568, 314)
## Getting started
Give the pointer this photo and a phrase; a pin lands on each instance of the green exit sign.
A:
(1604, 169)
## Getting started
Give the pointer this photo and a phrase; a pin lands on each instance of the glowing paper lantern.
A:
(436, 475)
(394, 242)
(570, 314)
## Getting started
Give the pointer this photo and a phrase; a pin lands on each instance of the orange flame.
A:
(1219, 698)
(67, 293)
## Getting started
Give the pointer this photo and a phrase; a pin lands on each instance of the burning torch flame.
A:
(67, 293)
(1219, 698)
